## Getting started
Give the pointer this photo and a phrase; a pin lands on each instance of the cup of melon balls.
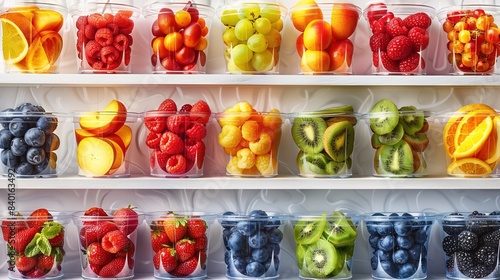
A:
(179, 241)
(30, 141)
(104, 36)
(399, 244)
(472, 38)
(325, 36)
(35, 243)
(179, 36)
(252, 243)
(250, 139)
(32, 41)
(399, 139)
(325, 139)
(103, 139)
(470, 141)
(399, 39)
(324, 244)
(252, 35)
(176, 138)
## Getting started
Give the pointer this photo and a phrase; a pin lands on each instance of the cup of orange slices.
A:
(31, 35)
(470, 138)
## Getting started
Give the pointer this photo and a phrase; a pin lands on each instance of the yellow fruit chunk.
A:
(95, 156)
(490, 152)
(36, 60)
(468, 123)
(24, 24)
(475, 140)
(15, 45)
(468, 166)
(52, 44)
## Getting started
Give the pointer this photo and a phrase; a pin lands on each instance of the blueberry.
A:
(225, 223)
(405, 242)
(386, 243)
(400, 256)
(373, 240)
(371, 227)
(407, 270)
(383, 256)
(388, 267)
(259, 215)
(8, 158)
(420, 235)
(275, 236)
(227, 256)
(34, 137)
(274, 249)
(29, 110)
(257, 240)
(235, 241)
(18, 127)
(6, 118)
(246, 227)
(255, 269)
(240, 264)
(5, 138)
(402, 228)
(225, 235)
(47, 124)
(416, 250)
(385, 228)
(260, 255)
(24, 168)
(42, 167)
(35, 155)
(18, 146)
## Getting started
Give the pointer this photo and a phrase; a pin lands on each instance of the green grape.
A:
(278, 25)
(229, 38)
(272, 13)
(262, 25)
(257, 43)
(249, 11)
(227, 54)
(241, 54)
(273, 38)
(239, 68)
(243, 29)
(263, 61)
(229, 17)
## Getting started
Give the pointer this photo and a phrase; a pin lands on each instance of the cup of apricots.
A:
(250, 139)
(31, 35)
(104, 36)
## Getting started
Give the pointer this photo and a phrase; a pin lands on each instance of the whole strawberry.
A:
(38, 217)
(112, 268)
(167, 257)
(126, 219)
(159, 239)
(196, 228)
(175, 227)
(185, 249)
(97, 256)
(23, 238)
(187, 267)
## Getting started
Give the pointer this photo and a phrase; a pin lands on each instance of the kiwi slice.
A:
(392, 137)
(375, 142)
(338, 167)
(338, 140)
(411, 119)
(313, 163)
(395, 159)
(321, 258)
(300, 252)
(338, 231)
(307, 132)
(418, 141)
(384, 116)
(337, 109)
(338, 114)
(309, 231)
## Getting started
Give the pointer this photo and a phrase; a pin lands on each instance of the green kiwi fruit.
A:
(342, 258)
(307, 133)
(395, 159)
(411, 119)
(384, 116)
(338, 167)
(337, 109)
(321, 258)
(338, 140)
(309, 231)
(300, 252)
(375, 142)
(418, 141)
(392, 137)
(310, 163)
(338, 231)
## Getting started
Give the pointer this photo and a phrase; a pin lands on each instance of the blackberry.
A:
(491, 239)
(464, 261)
(454, 224)
(450, 245)
(478, 271)
(476, 223)
(450, 263)
(468, 240)
(486, 255)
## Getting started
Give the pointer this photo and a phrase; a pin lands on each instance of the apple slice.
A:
(117, 140)
(107, 121)
(95, 156)
(45, 19)
(80, 134)
(125, 133)
(119, 157)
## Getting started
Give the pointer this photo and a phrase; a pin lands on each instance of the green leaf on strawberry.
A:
(51, 229)
(44, 245)
(32, 247)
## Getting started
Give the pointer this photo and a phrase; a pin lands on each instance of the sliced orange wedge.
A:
(475, 140)
(490, 152)
(15, 45)
(24, 24)
(52, 44)
(468, 167)
(36, 59)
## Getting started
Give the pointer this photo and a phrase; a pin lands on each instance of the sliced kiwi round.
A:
(338, 167)
(392, 137)
(321, 258)
(411, 119)
(338, 230)
(310, 163)
(395, 159)
(309, 231)
(418, 141)
(307, 133)
(375, 142)
(338, 140)
(300, 252)
(384, 116)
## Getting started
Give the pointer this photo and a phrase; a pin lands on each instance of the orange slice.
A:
(52, 44)
(27, 11)
(475, 140)
(24, 24)
(36, 59)
(468, 123)
(490, 152)
(468, 166)
(15, 45)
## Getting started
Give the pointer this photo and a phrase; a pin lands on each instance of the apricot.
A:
(303, 12)
(95, 155)
(343, 21)
(105, 122)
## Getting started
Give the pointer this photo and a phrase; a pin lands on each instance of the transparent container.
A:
(252, 35)
(259, 258)
(179, 35)
(399, 39)
(466, 258)
(399, 244)
(325, 141)
(339, 231)
(104, 36)
(32, 35)
(43, 255)
(193, 228)
(325, 36)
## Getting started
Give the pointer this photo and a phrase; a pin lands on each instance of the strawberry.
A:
(153, 140)
(23, 238)
(203, 259)
(159, 238)
(38, 217)
(195, 152)
(45, 262)
(24, 263)
(155, 124)
(93, 233)
(175, 227)
(167, 257)
(58, 240)
(112, 268)
(95, 212)
(128, 252)
(389, 64)
(126, 219)
(201, 243)
(399, 47)
(196, 131)
(95, 268)
(186, 108)
(411, 63)
(200, 112)
(419, 37)
(35, 274)
(187, 267)
(171, 144)
(395, 27)
(184, 249)
(379, 41)
(96, 255)
(196, 228)
(159, 157)
(419, 19)
(168, 105)
(10, 227)
(176, 164)
(114, 241)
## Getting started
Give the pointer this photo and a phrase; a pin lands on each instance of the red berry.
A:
(187, 267)
(399, 47)
(176, 164)
(11, 227)
(389, 64)
(155, 124)
(177, 123)
(97, 20)
(184, 249)
(38, 217)
(153, 140)
(419, 19)
(186, 108)
(167, 257)
(159, 239)
(379, 41)
(97, 256)
(168, 105)
(171, 144)
(195, 151)
(24, 263)
(375, 11)
(126, 219)
(114, 241)
(196, 228)
(419, 37)
(200, 112)
(201, 243)
(95, 232)
(196, 131)
(45, 262)
(411, 63)
(175, 226)
(112, 268)
(395, 27)
(159, 157)
(23, 238)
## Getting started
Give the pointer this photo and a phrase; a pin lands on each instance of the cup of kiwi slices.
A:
(399, 139)
(324, 244)
(325, 139)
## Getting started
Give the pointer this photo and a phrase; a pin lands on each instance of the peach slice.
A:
(117, 140)
(95, 155)
(24, 23)
(105, 122)
(119, 157)
(80, 134)
(45, 19)
(125, 133)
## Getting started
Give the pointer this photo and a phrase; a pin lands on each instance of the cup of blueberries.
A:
(399, 243)
(252, 243)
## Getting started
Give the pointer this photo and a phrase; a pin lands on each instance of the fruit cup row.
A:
(252, 36)
(324, 243)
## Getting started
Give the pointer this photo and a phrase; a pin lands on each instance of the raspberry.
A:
(81, 22)
(389, 64)
(110, 55)
(109, 18)
(467, 240)
(153, 140)
(250, 130)
(375, 11)
(120, 42)
(121, 19)
(419, 38)
(126, 13)
(176, 164)
(395, 27)
(399, 47)
(104, 36)
(89, 31)
(195, 152)
(196, 131)
(420, 19)
(200, 112)
(379, 42)
(159, 157)
(177, 123)
(186, 108)
(168, 105)
(411, 63)
(127, 29)
(230, 136)
(155, 124)
(92, 51)
(171, 144)
(97, 20)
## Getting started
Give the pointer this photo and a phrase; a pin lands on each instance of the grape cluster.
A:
(28, 141)
(252, 37)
